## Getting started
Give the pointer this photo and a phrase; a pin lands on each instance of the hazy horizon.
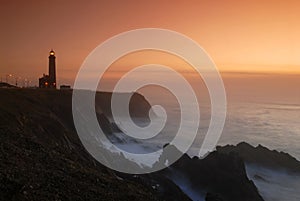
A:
(247, 37)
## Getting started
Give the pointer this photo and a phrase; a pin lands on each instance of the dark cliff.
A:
(219, 176)
(43, 159)
(262, 156)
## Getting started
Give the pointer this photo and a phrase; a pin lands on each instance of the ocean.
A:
(261, 109)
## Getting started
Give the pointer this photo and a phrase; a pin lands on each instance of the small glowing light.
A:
(52, 52)
(46, 83)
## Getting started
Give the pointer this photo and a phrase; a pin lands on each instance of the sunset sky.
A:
(240, 36)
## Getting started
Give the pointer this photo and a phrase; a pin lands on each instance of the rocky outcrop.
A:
(262, 156)
(221, 175)
(138, 105)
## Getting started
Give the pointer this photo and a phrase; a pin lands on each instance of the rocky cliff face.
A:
(262, 156)
(138, 105)
(218, 176)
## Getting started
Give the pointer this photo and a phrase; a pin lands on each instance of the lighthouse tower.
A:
(49, 81)
(52, 70)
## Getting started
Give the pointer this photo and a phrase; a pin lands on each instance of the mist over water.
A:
(261, 109)
(275, 185)
(275, 126)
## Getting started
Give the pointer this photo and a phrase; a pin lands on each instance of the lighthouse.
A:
(49, 81)
(52, 73)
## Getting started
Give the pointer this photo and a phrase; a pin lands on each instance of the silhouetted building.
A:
(65, 87)
(6, 85)
(49, 81)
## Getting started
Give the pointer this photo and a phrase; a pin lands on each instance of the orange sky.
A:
(248, 35)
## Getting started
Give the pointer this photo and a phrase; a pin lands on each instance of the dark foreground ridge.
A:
(43, 159)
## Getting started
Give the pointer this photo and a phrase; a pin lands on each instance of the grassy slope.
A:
(42, 158)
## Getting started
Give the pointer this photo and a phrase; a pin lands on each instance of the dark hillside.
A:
(42, 158)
